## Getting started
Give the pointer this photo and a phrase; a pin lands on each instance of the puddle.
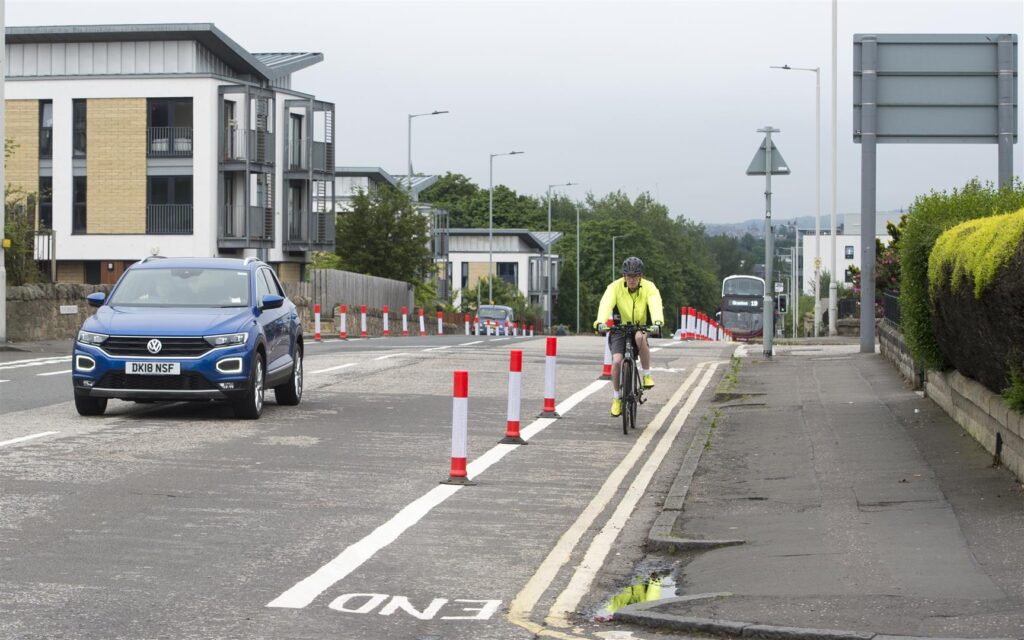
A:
(656, 587)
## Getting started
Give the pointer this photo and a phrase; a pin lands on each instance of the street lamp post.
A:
(409, 140)
(833, 283)
(614, 238)
(490, 225)
(817, 196)
(577, 269)
(547, 258)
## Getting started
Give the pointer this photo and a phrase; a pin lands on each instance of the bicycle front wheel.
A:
(628, 378)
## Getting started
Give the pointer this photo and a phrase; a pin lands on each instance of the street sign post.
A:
(767, 162)
(926, 88)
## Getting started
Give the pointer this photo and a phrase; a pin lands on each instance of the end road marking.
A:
(391, 355)
(340, 366)
(54, 373)
(26, 438)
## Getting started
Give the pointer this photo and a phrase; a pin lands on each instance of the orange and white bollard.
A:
(531, 330)
(606, 370)
(343, 327)
(515, 329)
(467, 324)
(405, 321)
(508, 329)
(423, 329)
(515, 383)
(384, 312)
(362, 321)
(460, 427)
(549, 379)
(476, 324)
(440, 323)
(316, 322)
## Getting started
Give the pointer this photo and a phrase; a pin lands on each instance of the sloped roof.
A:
(285, 63)
(537, 239)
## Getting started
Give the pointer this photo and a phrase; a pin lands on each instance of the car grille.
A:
(172, 347)
(184, 382)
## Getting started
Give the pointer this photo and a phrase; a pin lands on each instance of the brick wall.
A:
(70, 271)
(288, 271)
(22, 127)
(116, 165)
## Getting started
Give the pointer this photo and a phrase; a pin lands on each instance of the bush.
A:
(928, 217)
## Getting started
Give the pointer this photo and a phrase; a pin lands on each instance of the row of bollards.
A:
(457, 473)
(511, 329)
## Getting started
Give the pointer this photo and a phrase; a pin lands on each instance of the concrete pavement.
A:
(851, 506)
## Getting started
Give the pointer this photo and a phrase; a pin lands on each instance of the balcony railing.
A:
(538, 282)
(297, 155)
(169, 219)
(315, 230)
(239, 224)
(248, 144)
(170, 142)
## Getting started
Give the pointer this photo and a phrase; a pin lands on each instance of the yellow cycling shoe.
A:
(648, 381)
(616, 407)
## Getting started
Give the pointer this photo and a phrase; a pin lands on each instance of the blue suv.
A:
(190, 329)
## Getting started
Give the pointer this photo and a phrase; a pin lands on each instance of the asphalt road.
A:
(327, 520)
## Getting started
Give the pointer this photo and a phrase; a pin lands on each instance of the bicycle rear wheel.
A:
(628, 377)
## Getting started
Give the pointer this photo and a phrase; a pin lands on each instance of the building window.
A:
(78, 221)
(849, 252)
(92, 271)
(170, 127)
(78, 128)
(46, 128)
(169, 208)
(508, 272)
(45, 202)
(465, 275)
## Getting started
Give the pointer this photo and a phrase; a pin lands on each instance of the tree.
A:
(20, 229)
(384, 236)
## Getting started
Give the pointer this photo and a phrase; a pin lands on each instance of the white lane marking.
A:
(307, 590)
(654, 349)
(54, 373)
(466, 344)
(391, 355)
(4, 380)
(601, 545)
(34, 362)
(340, 366)
(741, 351)
(447, 346)
(525, 600)
(498, 339)
(24, 438)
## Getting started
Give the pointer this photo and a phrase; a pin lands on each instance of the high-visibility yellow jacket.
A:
(632, 307)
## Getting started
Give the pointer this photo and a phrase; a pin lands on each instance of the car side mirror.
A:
(272, 302)
(96, 299)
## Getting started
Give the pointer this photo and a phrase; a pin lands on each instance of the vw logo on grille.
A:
(154, 346)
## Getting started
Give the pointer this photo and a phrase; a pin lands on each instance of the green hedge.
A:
(927, 219)
(974, 252)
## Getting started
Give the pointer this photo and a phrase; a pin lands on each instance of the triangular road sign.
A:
(779, 167)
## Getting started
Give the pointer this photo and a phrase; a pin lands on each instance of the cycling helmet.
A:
(632, 266)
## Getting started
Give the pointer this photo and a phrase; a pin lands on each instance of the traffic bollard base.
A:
(460, 480)
(512, 440)
(549, 414)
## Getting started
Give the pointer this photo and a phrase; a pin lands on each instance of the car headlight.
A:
(88, 337)
(227, 339)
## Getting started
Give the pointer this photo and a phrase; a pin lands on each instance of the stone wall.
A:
(34, 311)
(894, 349)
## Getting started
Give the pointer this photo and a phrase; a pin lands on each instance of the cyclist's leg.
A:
(644, 350)
(617, 345)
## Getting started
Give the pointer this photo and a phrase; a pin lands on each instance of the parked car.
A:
(493, 318)
(190, 329)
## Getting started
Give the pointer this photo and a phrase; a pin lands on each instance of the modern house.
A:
(166, 139)
(518, 257)
(350, 180)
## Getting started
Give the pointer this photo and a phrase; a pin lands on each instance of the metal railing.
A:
(297, 154)
(237, 223)
(316, 228)
(891, 306)
(170, 219)
(248, 144)
(169, 142)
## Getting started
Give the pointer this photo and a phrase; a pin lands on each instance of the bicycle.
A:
(631, 386)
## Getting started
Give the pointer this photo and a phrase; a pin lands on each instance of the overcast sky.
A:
(664, 97)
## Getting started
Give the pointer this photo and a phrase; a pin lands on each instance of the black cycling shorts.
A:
(617, 343)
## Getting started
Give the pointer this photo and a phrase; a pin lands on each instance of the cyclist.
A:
(631, 297)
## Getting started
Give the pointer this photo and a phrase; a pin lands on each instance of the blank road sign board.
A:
(942, 88)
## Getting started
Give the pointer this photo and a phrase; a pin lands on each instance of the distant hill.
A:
(755, 226)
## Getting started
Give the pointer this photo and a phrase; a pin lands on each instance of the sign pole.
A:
(768, 312)
(868, 171)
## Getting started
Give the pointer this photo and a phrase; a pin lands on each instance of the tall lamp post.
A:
(614, 238)
(817, 192)
(833, 283)
(409, 139)
(490, 225)
(577, 207)
(547, 257)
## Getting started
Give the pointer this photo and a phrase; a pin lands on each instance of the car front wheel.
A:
(250, 406)
(90, 406)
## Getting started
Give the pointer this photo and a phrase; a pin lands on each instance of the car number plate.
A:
(153, 368)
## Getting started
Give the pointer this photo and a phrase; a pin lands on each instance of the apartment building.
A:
(166, 139)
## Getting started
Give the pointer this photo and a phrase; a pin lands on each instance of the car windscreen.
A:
(493, 313)
(191, 287)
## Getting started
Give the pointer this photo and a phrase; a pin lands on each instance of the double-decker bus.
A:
(742, 300)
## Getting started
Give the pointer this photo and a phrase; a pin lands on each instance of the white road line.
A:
(24, 438)
(35, 362)
(4, 380)
(307, 590)
(447, 346)
(391, 355)
(525, 600)
(340, 366)
(498, 339)
(601, 545)
(655, 349)
(54, 373)
(466, 344)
